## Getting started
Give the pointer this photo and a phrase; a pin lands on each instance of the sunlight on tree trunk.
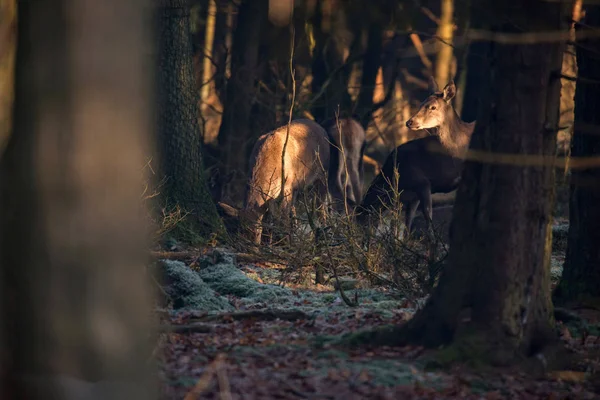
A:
(75, 293)
(580, 281)
(567, 95)
(443, 62)
(8, 46)
(207, 66)
(280, 12)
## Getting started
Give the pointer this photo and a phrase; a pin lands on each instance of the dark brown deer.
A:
(348, 142)
(306, 162)
(432, 164)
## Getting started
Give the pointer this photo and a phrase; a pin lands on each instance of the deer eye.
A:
(432, 107)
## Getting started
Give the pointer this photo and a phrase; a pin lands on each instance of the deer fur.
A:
(432, 164)
(348, 142)
(306, 163)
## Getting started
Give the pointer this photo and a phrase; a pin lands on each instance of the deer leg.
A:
(356, 185)
(426, 208)
(424, 195)
(410, 210)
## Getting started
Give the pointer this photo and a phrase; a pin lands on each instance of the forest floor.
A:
(255, 339)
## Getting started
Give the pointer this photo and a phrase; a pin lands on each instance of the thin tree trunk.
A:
(209, 36)
(235, 134)
(179, 132)
(581, 275)
(8, 47)
(327, 63)
(371, 65)
(445, 32)
(74, 293)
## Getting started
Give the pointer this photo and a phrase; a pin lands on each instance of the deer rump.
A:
(306, 162)
(424, 167)
(345, 180)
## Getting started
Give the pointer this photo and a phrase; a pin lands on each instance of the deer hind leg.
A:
(355, 184)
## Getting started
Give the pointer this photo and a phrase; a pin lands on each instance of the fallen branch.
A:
(195, 327)
(264, 315)
(174, 255)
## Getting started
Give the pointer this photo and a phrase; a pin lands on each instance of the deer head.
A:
(436, 109)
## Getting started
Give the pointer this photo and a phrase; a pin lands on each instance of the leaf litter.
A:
(249, 354)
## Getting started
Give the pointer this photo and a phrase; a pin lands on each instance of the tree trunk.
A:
(445, 31)
(8, 46)
(179, 136)
(371, 65)
(207, 65)
(328, 63)
(235, 136)
(74, 293)
(581, 275)
(500, 250)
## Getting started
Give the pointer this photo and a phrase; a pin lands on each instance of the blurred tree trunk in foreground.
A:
(234, 133)
(501, 238)
(75, 295)
(581, 275)
(179, 139)
(8, 46)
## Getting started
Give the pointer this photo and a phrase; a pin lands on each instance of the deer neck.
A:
(455, 134)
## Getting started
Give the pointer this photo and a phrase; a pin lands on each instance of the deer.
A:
(345, 177)
(431, 164)
(306, 161)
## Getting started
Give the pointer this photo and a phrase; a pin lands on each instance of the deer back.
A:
(306, 157)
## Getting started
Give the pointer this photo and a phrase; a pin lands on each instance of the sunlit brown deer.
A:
(432, 164)
(348, 141)
(306, 163)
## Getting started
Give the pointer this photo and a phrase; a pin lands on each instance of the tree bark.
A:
(74, 293)
(371, 65)
(328, 63)
(499, 257)
(445, 32)
(207, 65)
(179, 136)
(8, 46)
(581, 274)
(235, 134)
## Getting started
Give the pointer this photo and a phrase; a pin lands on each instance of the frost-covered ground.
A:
(233, 344)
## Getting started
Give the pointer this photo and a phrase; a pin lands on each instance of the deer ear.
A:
(433, 87)
(449, 91)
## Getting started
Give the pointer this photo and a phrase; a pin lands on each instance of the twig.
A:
(196, 327)
(265, 315)
(205, 378)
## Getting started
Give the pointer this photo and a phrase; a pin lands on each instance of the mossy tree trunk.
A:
(74, 293)
(235, 136)
(500, 242)
(581, 275)
(179, 139)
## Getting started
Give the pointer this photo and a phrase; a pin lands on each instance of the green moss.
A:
(188, 291)
(475, 349)
(387, 335)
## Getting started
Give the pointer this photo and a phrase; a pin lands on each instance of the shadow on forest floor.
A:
(255, 339)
